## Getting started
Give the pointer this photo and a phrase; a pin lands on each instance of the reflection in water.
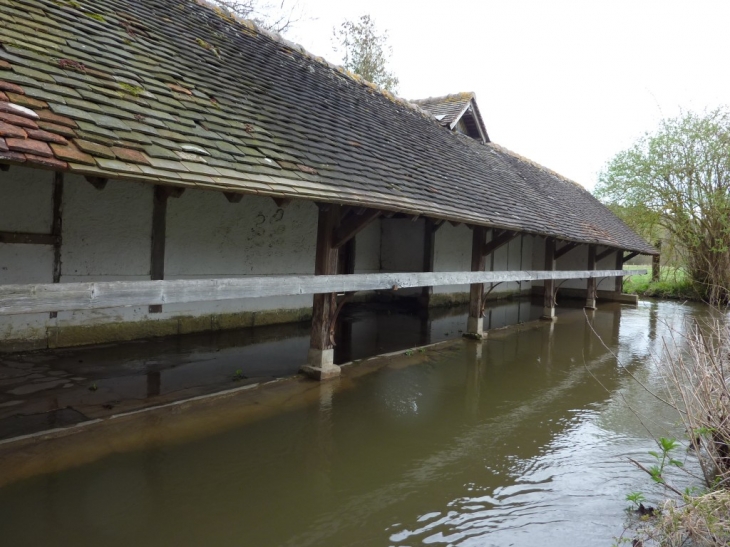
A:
(512, 441)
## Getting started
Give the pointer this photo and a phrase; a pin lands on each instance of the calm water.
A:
(521, 440)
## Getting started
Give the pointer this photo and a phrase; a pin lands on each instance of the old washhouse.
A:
(168, 169)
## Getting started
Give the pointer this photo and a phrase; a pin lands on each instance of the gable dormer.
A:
(458, 112)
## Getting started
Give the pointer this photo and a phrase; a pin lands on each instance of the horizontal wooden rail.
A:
(18, 299)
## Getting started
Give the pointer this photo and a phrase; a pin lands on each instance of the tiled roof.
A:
(173, 92)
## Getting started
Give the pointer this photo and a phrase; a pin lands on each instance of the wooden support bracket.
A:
(97, 182)
(498, 241)
(283, 202)
(565, 249)
(352, 225)
(600, 256)
(233, 197)
(630, 256)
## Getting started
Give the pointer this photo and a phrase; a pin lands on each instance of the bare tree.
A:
(276, 16)
(365, 51)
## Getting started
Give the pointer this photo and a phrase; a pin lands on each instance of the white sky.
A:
(567, 83)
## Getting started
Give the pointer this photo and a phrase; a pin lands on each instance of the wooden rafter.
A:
(600, 256)
(233, 197)
(565, 249)
(97, 182)
(283, 202)
(498, 241)
(352, 225)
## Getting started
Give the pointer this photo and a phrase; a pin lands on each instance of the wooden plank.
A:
(498, 240)
(22, 238)
(352, 225)
(157, 247)
(478, 263)
(565, 249)
(17, 299)
(57, 229)
(325, 264)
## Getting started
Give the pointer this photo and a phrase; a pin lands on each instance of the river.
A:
(520, 440)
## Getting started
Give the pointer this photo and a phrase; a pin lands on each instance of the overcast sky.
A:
(567, 83)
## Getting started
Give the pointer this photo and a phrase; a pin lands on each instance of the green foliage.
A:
(636, 498)
(677, 181)
(238, 375)
(673, 283)
(365, 51)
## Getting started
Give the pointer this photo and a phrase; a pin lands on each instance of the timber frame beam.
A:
(565, 249)
(600, 256)
(498, 240)
(354, 223)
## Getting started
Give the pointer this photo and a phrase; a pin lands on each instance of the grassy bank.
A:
(673, 283)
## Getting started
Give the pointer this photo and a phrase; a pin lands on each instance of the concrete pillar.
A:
(591, 286)
(320, 361)
(475, 322)
(548, 309)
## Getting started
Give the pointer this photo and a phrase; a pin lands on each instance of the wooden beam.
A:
(97, 182)
(656, 263)
(429, 243)
(629, 256)
(352, 225)
(324, 304)
(282, 202)
(233, 197)
(157, 247)
(22, 238)
(498, 240)
(565, 249)
(600, 256)
(57, 228)
(548, 310)
(476, 290)
(591, 285)
(19, 299)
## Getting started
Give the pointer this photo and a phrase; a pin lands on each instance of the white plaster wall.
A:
(452, 253)
(401, 245)
(367, 249)
(577, 259)
(26, 205)
(208, 237)
(106, 233)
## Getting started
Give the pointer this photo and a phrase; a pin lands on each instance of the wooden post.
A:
(591, 287)
(429, 240)
(548, 309)
(320, 361)
(656, 263)
(619, 266)
(57, 229)
(159, 226)
(475, 322)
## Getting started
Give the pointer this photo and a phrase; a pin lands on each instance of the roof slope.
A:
(172, 92)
